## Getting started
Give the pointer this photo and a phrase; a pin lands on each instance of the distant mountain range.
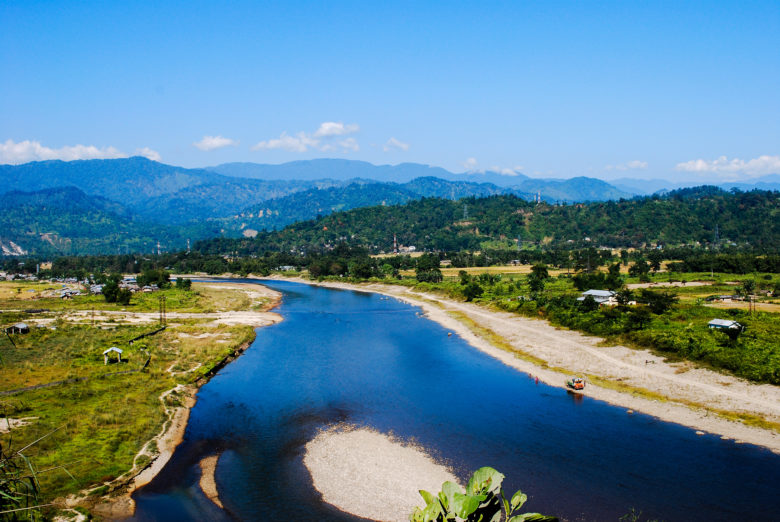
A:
(93, 206)
(653, 186)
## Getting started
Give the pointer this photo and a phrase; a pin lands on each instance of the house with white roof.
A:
(602, 297)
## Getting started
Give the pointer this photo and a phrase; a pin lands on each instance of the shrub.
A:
(483, 500)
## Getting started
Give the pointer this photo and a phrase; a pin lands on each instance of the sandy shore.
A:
(208, 482)
(673, 392)
(370, 474)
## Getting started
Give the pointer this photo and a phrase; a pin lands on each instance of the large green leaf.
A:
(432, 511)
(483, 479)
(450, 489)
(427, 497)
(465, 505)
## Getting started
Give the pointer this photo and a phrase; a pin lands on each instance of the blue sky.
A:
(556, 89)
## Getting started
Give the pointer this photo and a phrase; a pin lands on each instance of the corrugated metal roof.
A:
(726, 323)
(599, 293)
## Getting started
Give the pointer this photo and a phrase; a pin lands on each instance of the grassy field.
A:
(107, 417)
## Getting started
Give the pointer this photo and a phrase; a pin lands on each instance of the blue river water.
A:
(343, 356)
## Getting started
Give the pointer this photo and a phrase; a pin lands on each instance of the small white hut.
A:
(109, 351)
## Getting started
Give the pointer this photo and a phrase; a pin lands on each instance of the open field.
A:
(109, 417)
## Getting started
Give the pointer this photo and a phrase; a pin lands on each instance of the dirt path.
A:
(228, 318)
(635, 379)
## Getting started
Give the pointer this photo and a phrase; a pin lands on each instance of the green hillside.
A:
(65, 221)
(688, 216)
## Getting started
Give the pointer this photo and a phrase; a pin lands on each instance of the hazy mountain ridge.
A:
(129, 180)
(168, 194)
(646, 187)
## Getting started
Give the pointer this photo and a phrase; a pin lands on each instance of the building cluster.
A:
(17, 277)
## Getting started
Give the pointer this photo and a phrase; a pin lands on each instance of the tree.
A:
(640, 268)
(614, 281)
(432, 275)
(183, 283)
(472, 290)
(589, 304)
(123, 296)
(535, 283)
(540, 271)
(111, 288)
(624, 296)
(428, 262)
(638, 318)
(162, 279)
(658, 302)
(361, 268)
(655, 256)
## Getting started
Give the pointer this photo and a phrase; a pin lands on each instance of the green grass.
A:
(105, 421)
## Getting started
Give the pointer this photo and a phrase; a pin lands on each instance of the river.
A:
(368, 360)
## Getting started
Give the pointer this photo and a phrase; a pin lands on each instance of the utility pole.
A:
(162, 310)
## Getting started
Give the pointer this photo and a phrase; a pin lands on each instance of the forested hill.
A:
(65, 221)
(685, 216)
(306, 204)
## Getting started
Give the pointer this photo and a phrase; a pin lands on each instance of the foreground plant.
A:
(19, 489)
(482, 501)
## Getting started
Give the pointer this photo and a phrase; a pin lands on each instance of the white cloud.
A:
(394, 144)
(350, 144)
(298, 143)
(630, 165)
(335, 128)
(321, 140)
(470, 165)
(146, 152)
(724, 166)
(24, 151)
(214, 142)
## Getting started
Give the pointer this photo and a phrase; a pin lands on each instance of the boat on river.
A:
(576, 383)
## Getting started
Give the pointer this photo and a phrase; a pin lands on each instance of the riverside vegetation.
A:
(104, 415)
(483, 500)
(672, 320)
